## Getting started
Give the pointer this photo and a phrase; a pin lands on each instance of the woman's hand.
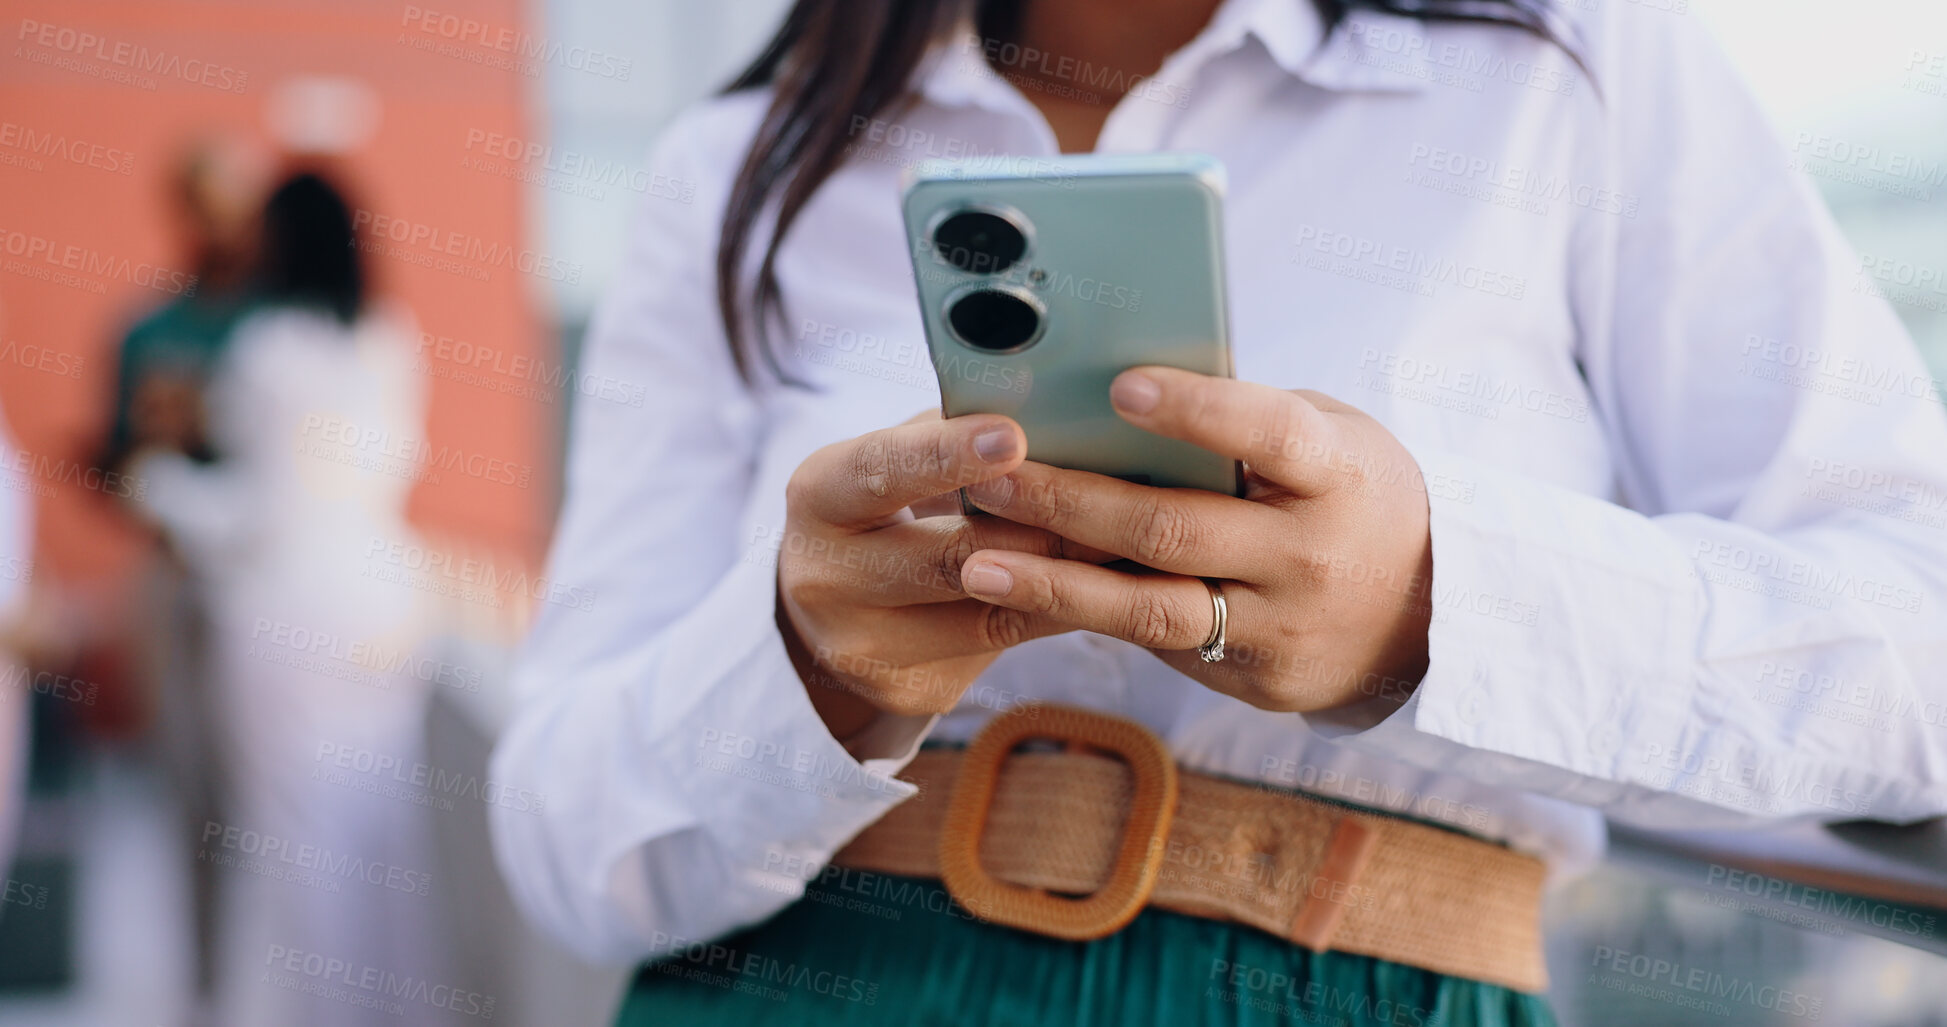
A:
(869, 596)
(167, 411)
(1325, 565)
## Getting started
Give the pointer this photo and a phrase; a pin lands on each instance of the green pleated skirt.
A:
(869, 949)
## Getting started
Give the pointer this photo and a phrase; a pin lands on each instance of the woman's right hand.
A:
(869, 596)
(167, 411)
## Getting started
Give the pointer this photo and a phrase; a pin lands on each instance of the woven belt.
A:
(1014, 835)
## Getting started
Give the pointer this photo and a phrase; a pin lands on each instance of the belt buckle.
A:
(1139, 857)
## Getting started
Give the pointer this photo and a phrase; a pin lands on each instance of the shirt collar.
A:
(1292, 32)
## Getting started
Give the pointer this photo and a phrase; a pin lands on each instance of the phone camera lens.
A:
(979, 242)
(993, 319)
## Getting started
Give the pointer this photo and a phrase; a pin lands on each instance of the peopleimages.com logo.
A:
(62, 149)
(120, 60)
(422, 243)
(36, 256)
(518, 44)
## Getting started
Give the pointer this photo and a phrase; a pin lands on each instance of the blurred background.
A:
(480, 162)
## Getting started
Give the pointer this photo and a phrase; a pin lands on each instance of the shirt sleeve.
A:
(16, 531)
(1756, 627)
(16, 574)
(198, 506)
(687, 786)
(214, 513)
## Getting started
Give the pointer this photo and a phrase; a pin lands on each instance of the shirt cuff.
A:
(764, 773)
(1539, 647)
(163, 476)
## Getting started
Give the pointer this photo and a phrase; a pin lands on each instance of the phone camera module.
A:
(980, 242)
(996, 320)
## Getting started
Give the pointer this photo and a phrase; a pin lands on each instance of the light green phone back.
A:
(1123, 264)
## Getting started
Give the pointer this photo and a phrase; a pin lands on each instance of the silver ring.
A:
(1212, 649)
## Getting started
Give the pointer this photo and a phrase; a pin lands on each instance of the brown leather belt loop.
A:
(1015, 836)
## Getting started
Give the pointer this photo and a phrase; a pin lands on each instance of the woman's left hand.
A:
(1326, 564)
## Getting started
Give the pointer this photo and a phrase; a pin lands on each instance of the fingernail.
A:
(991, 495)
(1134, 392)
(986, 579)
(994, 445)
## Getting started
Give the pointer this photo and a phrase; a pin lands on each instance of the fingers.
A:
(862, 483)
(912, 660)
(965, 628)
(945, 505)
(1155, 611)
(1184, 531)
(916, 561)
(1282, 436)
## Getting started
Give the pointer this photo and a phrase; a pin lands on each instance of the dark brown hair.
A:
(310, 249)
(833, 61)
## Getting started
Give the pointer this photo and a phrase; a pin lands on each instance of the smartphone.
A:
(1042, 278)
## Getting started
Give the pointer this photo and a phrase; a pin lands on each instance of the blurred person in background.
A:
(16, 693)
(1509, 622)
(216, 195)
(277, 529)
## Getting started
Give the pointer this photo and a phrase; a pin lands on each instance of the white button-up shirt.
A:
(1687, 473)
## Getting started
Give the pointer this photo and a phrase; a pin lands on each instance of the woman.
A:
(1538, 527)
(16, 577)
(280, 529)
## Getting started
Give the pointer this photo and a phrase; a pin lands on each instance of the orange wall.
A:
(66, 86)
